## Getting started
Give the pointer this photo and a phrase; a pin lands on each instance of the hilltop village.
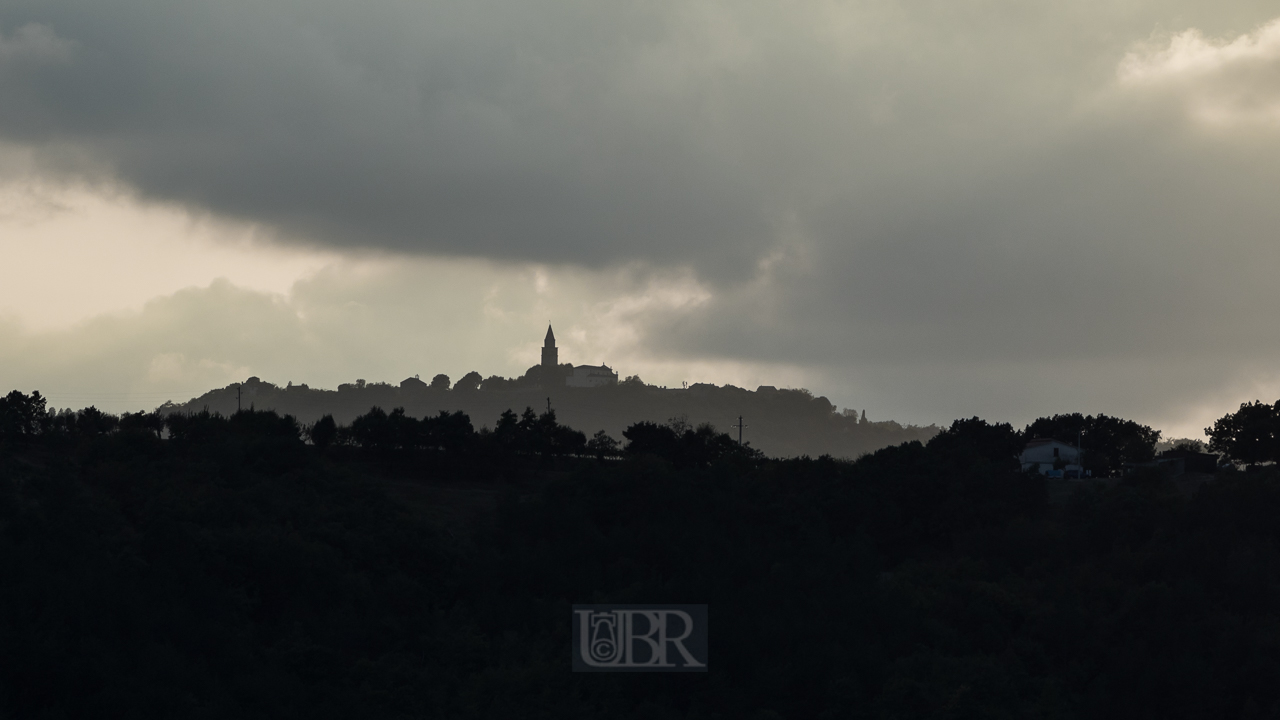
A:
(779, 422)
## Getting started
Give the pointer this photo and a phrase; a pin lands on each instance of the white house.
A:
(1043, 454)
(591, 376)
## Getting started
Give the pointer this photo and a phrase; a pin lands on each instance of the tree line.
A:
(27, 417)
(1248, 436)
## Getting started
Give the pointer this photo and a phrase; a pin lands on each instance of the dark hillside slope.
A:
(234, 571)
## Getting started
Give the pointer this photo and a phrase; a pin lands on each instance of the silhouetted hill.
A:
(780, 423)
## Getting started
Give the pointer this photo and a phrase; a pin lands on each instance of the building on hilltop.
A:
(581, 375)
(1052, 457)
(414, 383)
(550, 355)
(591, 376)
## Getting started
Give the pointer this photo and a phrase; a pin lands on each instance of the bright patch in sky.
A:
(123, 305)
(1223, 82)
(71, 253)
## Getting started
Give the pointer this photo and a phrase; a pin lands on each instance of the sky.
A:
(923, 209)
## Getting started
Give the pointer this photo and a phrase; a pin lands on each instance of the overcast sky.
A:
(927, 209)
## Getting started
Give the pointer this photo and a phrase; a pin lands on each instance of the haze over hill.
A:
(780, 422)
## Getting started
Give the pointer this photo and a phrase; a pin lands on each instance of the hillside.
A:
(780, 423)
(210, 567)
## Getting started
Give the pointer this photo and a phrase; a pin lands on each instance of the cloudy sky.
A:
(923, 208)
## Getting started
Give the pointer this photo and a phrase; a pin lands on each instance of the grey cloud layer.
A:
(556, 131)
(868, 184)
(503, 130)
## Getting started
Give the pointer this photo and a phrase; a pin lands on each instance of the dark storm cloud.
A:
(560, 131)
(501, 130)
(1124, 245)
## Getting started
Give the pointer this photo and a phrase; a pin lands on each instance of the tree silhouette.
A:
(683, 446)
(22, 415)
(996, 443)
(650, 438)
(602, 446)
(323, 432)
(451, 432)
(1250, 435)
(470, 381)
(148, 422)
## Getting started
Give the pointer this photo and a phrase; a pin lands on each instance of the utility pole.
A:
(740, 426)
(548, 406)
(237, 397)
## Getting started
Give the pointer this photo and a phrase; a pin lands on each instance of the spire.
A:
(550, 355)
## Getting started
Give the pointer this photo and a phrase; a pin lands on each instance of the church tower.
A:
(550, 356)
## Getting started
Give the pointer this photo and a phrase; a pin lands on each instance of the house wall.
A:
(1044, 454)
(590, 377)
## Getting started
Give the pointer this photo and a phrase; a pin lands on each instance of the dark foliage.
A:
(226, 568)
(685, 447)
(469, 382)
(323, 432)
(994, 443)
(22, 415)
(1251, 435)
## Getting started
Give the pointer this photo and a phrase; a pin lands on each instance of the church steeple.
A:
(550, 355)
